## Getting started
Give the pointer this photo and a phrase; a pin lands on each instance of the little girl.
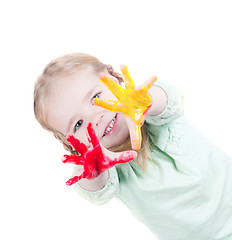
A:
(178, 183)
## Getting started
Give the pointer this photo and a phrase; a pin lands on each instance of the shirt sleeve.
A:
(174, 107)
(103, 195)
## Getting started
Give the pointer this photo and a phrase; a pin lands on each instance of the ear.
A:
(107, 74)
(114, 74)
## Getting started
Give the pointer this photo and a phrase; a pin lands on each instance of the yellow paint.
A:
(136, 138)
(133, 102)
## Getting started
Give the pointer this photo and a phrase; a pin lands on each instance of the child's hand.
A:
(133, 102)
(94, 161)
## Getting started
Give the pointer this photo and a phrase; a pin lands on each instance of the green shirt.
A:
(186, 192)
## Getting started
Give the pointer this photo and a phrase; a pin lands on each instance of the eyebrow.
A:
(86, 97)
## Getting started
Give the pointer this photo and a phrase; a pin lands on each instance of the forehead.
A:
(83, 79)
(69, 94)
(74, 85)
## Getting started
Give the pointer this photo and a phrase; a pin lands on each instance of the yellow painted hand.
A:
(133, 102)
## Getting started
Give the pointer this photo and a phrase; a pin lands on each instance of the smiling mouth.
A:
(111, 125)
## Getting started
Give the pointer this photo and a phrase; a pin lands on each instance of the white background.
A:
(186, 43)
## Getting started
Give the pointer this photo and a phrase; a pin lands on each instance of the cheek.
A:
(84, 139)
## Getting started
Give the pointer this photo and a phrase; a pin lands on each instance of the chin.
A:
(115, 144)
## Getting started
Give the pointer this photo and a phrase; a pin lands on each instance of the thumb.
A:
(130, 154)
(135, 134)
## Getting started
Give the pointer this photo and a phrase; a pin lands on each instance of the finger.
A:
(113, 158)
(129, 83)
(74, 159)
(136, 137)
(73, 180)
(113, 155)
(148, 83)
(116, 89)
(92, 135)
(126, 157)
(135, 134)
(78, 146)
(113, 106)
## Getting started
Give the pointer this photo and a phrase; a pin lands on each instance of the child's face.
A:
(70, 109)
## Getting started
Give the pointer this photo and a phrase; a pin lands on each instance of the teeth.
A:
(110, 126)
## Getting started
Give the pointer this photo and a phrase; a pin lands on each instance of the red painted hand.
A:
(93, 160)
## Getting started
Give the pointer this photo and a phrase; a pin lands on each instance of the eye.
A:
(96, 95)
(78, 125)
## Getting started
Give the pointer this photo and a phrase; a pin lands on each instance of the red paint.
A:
(93, 160)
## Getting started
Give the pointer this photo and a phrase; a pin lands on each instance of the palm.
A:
(93, 160)
(133, 102)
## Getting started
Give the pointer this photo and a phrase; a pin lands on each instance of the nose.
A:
(98, 120)
(97, 113)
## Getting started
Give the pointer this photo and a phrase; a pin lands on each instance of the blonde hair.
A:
(68, 64)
